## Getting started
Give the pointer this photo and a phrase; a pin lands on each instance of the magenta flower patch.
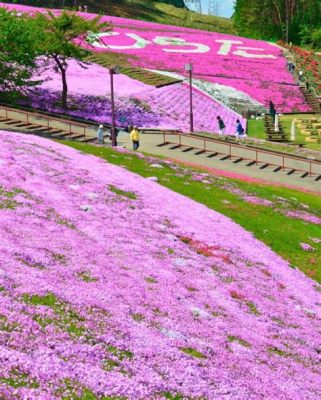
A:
(112, 285)
(254, 67)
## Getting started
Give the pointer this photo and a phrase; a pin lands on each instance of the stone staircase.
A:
(39, 125)
(148, 77)
(271, 135)
(311, 99)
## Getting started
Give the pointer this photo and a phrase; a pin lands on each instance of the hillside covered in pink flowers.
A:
(227, 68)
(113, 287)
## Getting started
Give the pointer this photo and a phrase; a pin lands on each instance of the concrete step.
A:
(12, 122)
(87, 139)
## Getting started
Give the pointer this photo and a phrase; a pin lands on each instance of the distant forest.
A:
(297, 21)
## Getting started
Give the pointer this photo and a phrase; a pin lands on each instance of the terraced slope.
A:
(255, 70)
(110, 292)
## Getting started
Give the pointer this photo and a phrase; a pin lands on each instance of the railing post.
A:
(84, 131)
(180, 139)
(310, 168)
(256, 157)
(282, 163)
(204, 145)
(164, 137)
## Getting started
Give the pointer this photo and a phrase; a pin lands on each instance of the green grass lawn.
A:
(256, 129)
(283, 234)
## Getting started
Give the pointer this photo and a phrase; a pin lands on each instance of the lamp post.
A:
(189, 68)
(112, 72)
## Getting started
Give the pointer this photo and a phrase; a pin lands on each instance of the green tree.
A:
(62, 35)
(19, 49)
(277, 19)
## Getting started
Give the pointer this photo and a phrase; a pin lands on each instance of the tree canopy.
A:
(59, 33)
(297, 21)
(19, 48)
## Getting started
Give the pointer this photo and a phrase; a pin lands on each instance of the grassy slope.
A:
(256, 130)
(148, 10)
(263, 222)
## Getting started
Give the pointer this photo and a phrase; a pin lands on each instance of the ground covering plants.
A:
(254, 67)
(268, 206)
(136, 103)
(119, 288)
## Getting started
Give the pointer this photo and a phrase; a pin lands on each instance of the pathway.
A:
(150, 144)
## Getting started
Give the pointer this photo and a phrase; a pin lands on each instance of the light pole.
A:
(112, 72)
(189, 68)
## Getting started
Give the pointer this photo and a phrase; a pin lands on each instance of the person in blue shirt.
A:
(240, 132)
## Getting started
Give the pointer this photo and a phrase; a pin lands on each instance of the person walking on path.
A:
(240, 133)
(221, 126)
(100, 134)
(289, 65)
(134, 137)
(300, 75)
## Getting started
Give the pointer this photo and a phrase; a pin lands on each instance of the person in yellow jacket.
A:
(134, 137)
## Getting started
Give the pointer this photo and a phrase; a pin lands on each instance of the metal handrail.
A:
(28, 114)
(229, 153)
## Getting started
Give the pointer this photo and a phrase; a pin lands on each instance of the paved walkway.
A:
(150, 142)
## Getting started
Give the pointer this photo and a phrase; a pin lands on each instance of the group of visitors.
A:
(291, 68)
(239, 133)
(134, 135)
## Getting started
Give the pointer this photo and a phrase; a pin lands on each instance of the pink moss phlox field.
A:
(115, 285)
(263, 79)
(136, 103)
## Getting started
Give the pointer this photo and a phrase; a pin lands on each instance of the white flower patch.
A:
(86, 207)
(181, 262)
(153, 178)
(156, 166)
(91, 195)
(74, 187)
(172, 334)
(200, 313)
